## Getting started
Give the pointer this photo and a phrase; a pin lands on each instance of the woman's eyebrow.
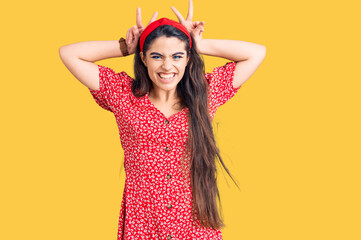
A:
(155, 53)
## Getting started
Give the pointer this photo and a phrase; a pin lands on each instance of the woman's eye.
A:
(158, 57)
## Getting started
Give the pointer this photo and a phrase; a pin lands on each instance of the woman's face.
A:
(166, 60)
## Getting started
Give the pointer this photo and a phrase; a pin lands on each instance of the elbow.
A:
(61, 51)
(258, 52)
(61, 48)
(65, 55)
(262, 51)
(65, 52)
(65, 48)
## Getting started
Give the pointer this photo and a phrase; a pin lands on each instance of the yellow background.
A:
(290, 137)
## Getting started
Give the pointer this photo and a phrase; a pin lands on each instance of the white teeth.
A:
(167, 76)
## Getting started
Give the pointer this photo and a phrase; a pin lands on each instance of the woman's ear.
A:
(142, 57)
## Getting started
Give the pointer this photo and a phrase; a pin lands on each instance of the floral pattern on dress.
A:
(157, 197)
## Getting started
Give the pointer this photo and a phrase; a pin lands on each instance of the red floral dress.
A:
(157, 197)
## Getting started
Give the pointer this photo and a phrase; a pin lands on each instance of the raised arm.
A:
(79, 57)
(248, 56)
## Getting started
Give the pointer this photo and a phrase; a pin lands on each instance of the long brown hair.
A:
(193, 92)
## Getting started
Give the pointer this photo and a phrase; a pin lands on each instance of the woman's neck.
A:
(164, 96)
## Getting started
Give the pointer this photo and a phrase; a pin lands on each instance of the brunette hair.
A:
(193, 91)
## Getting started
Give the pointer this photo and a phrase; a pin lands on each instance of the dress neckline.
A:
(170, 117)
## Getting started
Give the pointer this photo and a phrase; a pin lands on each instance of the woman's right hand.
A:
(134, 32)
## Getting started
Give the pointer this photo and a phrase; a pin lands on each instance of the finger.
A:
(154, 17)
(130, 37)
(131, 34)
(190, 11)
(200, 28)
(135, 31)
(200, 24)
(139, 18)
(195, 24)
(178, 14)
(127, 37)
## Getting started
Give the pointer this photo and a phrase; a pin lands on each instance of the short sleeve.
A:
(220, 83)
(111, 88)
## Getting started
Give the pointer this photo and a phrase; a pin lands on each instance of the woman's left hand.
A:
(195, 28)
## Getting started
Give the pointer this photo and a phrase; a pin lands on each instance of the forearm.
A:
(233, 50)
(93, 51)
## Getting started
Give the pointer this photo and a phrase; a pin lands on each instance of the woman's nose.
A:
(167, 64)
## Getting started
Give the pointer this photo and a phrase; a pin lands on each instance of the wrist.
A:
(201, 48)
(123, 47)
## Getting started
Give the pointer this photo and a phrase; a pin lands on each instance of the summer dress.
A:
(157, 198)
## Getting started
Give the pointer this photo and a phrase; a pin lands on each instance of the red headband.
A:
(160, 22)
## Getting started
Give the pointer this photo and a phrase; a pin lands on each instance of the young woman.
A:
(164, 117)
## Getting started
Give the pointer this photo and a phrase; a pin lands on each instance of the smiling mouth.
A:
(166, 76)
